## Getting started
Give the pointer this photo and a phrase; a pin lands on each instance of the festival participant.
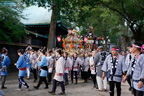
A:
(51, 62)
(124, 55)
(68, 65)
(28, 65)
(42, 66)
(99, 60)
(76, 61)
(127, 62)
(93, 69)
(59, 73)
(21, 65)
(34, 64)
(5, 64)
(116, 67)
(85, 67)
(136, 70)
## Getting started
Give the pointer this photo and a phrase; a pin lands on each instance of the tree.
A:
(11, 28)
(130, 10)
(57, 7)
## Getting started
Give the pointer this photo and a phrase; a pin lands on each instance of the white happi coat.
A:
(121, 67)
(51, 63)
(33, 62)
(68, 64)
(92, 68)
(76, 62)
(86, 64)
(59, 68)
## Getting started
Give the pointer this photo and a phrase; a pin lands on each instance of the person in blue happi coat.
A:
(28, 65)
(5, 63)
(42, 66)
(21, 65)
(136, 70)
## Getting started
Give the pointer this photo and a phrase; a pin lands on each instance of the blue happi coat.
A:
(27, 57)
(21, 65)
(121, 67)
(41, 64)
(137, 72)
(5, 62)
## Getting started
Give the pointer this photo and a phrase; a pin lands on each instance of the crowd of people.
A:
(56, 66)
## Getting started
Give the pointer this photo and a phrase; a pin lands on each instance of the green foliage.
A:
(11, 29)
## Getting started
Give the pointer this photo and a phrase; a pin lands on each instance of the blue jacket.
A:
(5, 62)
(43, 63)
(21, 65)
(27, 57)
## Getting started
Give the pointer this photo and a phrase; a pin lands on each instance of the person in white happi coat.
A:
(59, 73)
(68, 65)
(34, 64)
(93, 69)
(136, 70)
(115, 67)
(85, 67)
(51, 62)
(76, 62)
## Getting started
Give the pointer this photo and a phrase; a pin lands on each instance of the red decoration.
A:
(59, 39)
(78, 36)
(85, 39)
(70, 31)
(102, 38)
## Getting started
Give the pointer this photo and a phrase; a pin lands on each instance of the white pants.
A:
(28, 72)
(102, 84)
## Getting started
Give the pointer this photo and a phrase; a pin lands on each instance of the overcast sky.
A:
(36, 15)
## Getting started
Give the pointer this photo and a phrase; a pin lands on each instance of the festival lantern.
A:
(102, 38)
(70, 31)
(85, 39)
(59, 39)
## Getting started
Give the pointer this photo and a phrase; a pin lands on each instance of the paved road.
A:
(81, 89)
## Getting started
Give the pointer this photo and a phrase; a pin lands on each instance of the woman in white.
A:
(59, 73)
(93, 69)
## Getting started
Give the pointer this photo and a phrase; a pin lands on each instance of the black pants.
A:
(138, 93)
(94, 79)
(21, 81)
(85, 75)
(112, 86)
(55, 85)
(34, 73)
(76, 78)
(3, 79)
(129, 80)
(42, 79)
(49, 77)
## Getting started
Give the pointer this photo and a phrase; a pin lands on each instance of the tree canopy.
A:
(11, 28)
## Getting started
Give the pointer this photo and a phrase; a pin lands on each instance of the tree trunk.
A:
(52, 31)
(106, 44)
(124, 42)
